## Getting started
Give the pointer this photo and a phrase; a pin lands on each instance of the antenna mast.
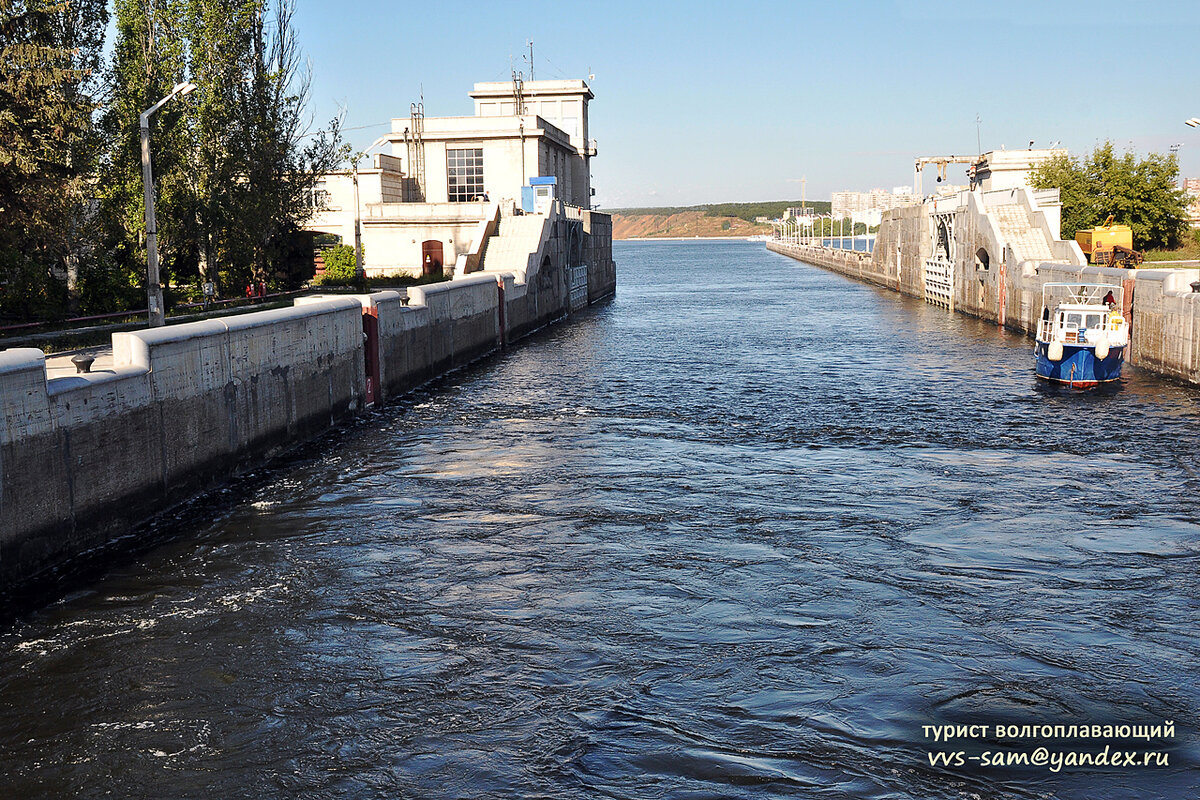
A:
(518, 94)
(414, 138)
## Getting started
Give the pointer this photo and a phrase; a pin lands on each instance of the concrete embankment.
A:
(856, 265)
(84, 459)
(989, 255)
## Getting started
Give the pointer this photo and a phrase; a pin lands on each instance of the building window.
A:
(464, 174)
(318, 197)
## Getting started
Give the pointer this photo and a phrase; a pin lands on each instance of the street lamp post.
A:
(154, 295)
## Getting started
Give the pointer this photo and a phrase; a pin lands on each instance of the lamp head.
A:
(185, 88)
(1193, 122)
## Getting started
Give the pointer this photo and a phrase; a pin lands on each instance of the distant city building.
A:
(1191, 187)
(871, 217)
(850, 203)
(798, 213)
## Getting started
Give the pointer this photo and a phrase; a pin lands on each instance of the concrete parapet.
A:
(464, 319)
(85, 457)
(848, 262)
(24, 394)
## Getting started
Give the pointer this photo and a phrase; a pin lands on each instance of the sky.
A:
(709, 102)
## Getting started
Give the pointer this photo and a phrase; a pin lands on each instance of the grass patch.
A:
(1189, 252)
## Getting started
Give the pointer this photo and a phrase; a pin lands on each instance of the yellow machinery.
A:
(1097, 243)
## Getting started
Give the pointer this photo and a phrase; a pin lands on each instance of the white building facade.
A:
(445, 173)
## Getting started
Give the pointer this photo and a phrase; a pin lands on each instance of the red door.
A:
(431, 257)
(370, 321)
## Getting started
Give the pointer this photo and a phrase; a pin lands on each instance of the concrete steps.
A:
(1027, 242)
(515, 240)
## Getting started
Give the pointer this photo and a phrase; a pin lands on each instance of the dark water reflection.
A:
(741, 532)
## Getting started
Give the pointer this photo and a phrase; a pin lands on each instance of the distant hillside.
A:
(716, 219)
(770, 209)
(681, 223)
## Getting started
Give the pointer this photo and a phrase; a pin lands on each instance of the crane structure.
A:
(942, 162)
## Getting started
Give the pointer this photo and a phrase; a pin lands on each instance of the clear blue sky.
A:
(706, 102)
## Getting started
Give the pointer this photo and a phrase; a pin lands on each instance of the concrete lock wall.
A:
(597, 254)
(1164, 313)
(464, 320)
(85, 458)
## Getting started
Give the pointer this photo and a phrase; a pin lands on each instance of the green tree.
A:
(220, 36)
(1079, 203)
(280, 171)
(49, 54)
(1139, 193)
(235, 162)
(148, 59)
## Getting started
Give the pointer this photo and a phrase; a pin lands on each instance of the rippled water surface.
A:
(740, 532)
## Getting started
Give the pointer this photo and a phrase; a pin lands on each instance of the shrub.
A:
(339, 266)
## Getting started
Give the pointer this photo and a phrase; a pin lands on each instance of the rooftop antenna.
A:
(414, 140)
(978, 140)
(518, 81)
(530, 43)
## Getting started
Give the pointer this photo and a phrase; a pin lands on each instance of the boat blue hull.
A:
(1079, 366)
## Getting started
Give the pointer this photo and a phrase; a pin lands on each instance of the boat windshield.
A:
(1094, 321)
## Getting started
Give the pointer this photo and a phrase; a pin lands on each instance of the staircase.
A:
(1028, 243)
(516, 238)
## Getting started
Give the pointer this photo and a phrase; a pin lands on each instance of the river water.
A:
(740, 532)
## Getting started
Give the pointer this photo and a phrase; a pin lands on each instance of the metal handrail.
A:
(93, 317)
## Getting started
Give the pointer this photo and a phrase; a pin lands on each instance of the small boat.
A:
(1081, 337)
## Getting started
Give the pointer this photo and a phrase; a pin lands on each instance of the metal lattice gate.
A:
(939, 270)
(579, 287)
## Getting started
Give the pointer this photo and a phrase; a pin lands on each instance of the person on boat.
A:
(1109, 300)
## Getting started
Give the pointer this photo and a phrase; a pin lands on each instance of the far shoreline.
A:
(690, 239)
